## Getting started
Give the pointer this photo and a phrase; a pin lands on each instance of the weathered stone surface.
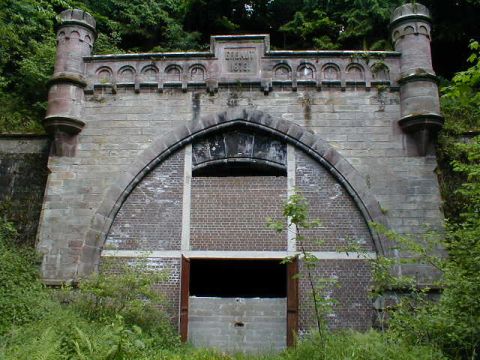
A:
(23, 175)
(126, 182)
(238, 324)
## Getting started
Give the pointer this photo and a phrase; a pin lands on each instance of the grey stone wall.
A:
(364, 119)
(23, 174)
(120, 126)
(238, 324)
(361, 125)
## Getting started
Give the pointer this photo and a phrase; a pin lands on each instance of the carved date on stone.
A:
(240, 60)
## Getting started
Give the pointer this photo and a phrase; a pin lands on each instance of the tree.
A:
(295, 210)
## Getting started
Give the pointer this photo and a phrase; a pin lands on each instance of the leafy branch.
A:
(295, 210)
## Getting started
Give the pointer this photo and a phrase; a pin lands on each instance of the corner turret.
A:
(75, 37)
(420, 105)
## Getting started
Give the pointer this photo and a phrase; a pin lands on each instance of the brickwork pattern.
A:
(230, 213)
(341, 221)
(360, 125)
(131, 114)
(352, 307)
(151, 217)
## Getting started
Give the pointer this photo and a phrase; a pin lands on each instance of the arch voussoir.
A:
(296, 135)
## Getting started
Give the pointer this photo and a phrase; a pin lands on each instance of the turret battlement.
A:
(75, 36)
(77, 17)
(420, 107)
(408, 11)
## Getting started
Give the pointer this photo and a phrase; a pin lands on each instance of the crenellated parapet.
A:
(420, 105)
(75, 37)
(242, 60)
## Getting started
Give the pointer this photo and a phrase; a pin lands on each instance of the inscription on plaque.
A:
(240, 60)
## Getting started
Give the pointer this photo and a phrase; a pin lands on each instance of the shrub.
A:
(354, 345)
(103, 319)
(126, 290)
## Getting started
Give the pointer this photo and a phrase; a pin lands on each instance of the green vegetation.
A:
(295, 211)
(22, 297)
(27, 46)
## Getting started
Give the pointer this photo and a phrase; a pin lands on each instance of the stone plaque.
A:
(240, 60)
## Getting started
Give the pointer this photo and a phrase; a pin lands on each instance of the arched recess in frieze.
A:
(150, 73)
(355, 73)
(408, 30)
(197, 72)
(396, 35)
(61, 37)
(104, 75)
(173, 73)
(74, 35)
(306, 71)
(424, 31)
(380, 72)
(126, 74)
(88, 39)
(330, 72)
(282, 72)
(323, 153)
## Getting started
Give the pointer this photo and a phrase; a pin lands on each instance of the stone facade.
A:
(186, 154)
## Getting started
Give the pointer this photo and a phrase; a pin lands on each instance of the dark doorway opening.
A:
(238, 278)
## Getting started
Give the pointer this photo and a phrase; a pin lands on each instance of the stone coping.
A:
(273, 54)
(20, 136)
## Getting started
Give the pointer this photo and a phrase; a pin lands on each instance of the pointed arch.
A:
(166, 145)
